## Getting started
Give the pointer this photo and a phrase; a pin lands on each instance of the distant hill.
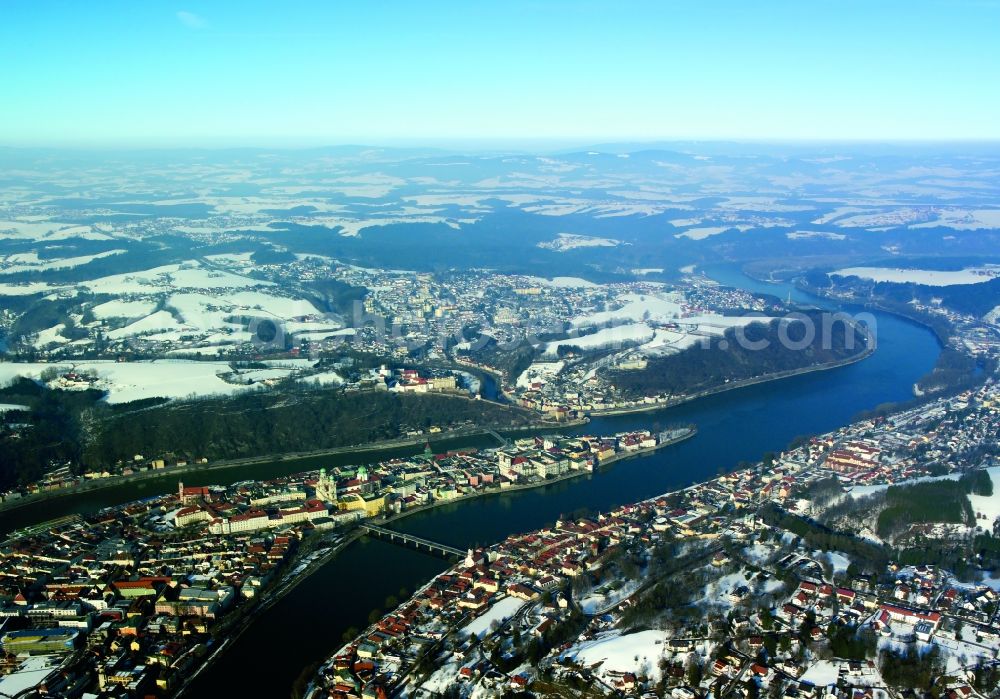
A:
(726, 359)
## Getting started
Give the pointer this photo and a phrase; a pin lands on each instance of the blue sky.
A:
(306, 73)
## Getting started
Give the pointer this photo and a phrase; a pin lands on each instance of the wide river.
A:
(740, 425)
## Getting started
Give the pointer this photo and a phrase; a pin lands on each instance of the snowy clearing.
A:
(499, 612)
(702, 233)
(563, 282)
(606, 337)
(988, 505)
(30, 262)
(637, 307)
(571, 241)
(629, 653)
(128, 381)
(927, 277)
(806, 235)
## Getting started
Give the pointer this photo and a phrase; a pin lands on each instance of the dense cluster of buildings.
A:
(932, 439)
(526, 610)
(977, 336)
(342, 495)
(394, 380)
(121, 604)
(457, 314)
(575, 381)
(128, 601)
(62, 477)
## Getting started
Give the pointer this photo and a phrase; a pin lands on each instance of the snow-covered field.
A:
(601, 598)
(158, 322)
(539, 372)
(24, 289)
(759, 553)
(563, 282)
(124, 309)
(30, 262)
(51, 336)
(806, 235)
(887, 219)
(757, 203)
(717, 591)
(972, 275)
(821, 673)
(637, 307)
(838, 212)
(196, 301)
(838, 561)
(325, 378)
(569, 206)
(571, 241)
(190, 275)
(988, 505)
(605, 337)
(703, 232)
(499, 612)
(128, 381)
(718, 324)
(184, 275)
(615, 652)
(646, 309)
(964, 219)
(352, 228)
(36, 228)
(668, 342)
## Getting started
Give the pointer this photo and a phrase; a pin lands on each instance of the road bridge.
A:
(500, 438)
(416, 541)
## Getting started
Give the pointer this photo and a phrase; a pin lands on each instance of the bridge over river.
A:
(417, 541)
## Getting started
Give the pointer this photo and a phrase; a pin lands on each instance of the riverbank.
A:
(736, 427)
(688, 433)
(743, 383)
(945, 332)
(517, 487)
(799, 285)
(173, 471)
(285, 586)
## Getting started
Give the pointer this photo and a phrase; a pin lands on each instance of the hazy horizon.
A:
(487, 145)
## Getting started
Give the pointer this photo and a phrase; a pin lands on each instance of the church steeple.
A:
(326, 487)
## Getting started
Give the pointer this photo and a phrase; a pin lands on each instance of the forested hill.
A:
(271, 423)
(700, 368)
(973, 299)
(78, 428)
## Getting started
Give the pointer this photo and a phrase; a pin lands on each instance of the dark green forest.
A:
(975, 299)
(936, 501)
(78, 428)
(263, 423)
(700, 368)
(48, 432)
